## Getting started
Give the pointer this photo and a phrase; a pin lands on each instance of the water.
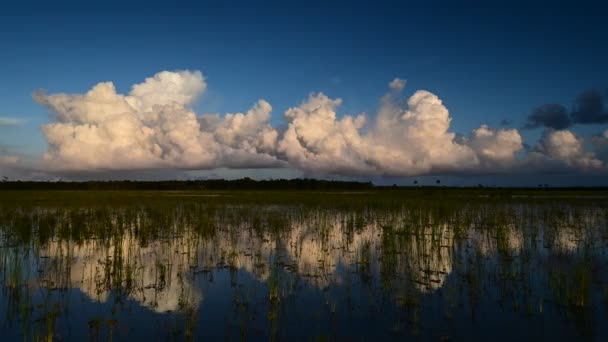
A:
(173, 266)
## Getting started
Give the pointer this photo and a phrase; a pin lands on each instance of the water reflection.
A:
(421, 268)
(151, 275)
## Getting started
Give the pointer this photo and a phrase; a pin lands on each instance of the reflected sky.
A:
(192, 268)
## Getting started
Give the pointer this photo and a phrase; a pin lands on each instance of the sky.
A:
(509, 93)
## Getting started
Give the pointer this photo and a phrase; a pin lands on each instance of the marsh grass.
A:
(419, 259)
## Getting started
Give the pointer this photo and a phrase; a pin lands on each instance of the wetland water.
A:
(302, 266)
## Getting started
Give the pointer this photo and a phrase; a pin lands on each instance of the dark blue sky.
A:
(486, 62)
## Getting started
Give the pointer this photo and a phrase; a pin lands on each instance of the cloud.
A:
(151, 127)
(9, 160)
(11, 164)
(563, 147)
(600, 143)
(550, 116)
(315, 140)
(397, 84)
(496, 148)
(589, 108)
(405, 139)
(6, 158)
(4, 121)
(154, 128)
(416, 139)
(244, 134)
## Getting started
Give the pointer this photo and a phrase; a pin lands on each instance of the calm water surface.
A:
(326, 267)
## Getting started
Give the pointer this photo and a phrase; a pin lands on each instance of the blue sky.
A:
(486, 63)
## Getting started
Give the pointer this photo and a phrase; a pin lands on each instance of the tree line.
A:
(211, 184)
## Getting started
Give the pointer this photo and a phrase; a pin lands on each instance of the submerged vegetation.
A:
(429, 263)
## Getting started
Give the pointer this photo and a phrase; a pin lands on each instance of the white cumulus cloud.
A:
(564, 147)
(496, 147)
(404, 139)
(151, 127)
(317, 141)
(154, 127)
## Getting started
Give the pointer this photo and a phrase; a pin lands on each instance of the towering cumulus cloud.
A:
(401, 142)
(153, 126)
